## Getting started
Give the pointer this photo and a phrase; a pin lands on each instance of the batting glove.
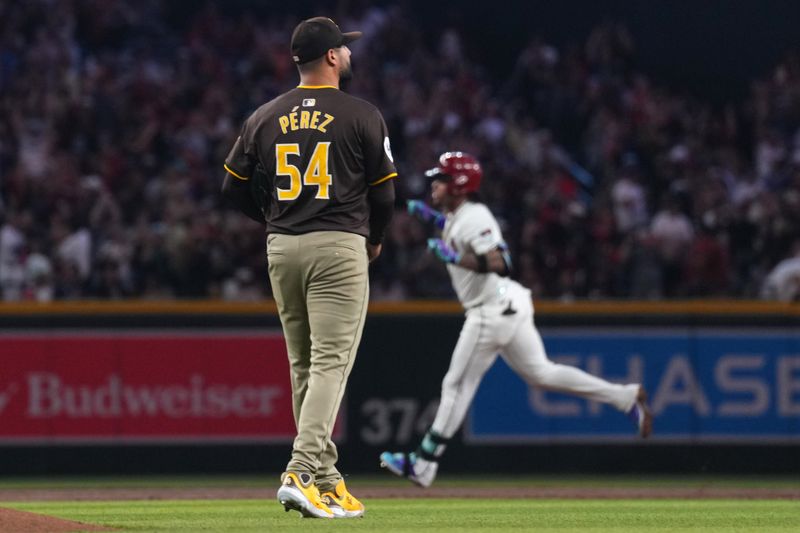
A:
(444, 252)
(425, 213)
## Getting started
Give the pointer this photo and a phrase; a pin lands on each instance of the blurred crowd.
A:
(114, 124)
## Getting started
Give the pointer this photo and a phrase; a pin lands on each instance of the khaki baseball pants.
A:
(320, 283)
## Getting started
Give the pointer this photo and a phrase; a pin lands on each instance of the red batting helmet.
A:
(462, 172)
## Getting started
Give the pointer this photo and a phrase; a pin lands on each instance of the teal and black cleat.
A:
(408, 465)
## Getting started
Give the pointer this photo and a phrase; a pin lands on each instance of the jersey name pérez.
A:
(304, 120)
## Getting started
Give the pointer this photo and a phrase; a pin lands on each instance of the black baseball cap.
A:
(313, 37)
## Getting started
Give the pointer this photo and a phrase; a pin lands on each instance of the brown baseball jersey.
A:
(310, 154)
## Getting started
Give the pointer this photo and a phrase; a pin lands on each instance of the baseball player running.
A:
(316, 166)
(499, 319)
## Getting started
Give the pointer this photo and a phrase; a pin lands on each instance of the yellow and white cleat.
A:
(342, 503)
(299, 493)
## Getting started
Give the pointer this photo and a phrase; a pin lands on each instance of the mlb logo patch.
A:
(309, 102)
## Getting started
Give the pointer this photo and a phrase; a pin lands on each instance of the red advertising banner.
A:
(149, 386)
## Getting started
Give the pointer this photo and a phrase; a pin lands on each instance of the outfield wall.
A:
(203, 387)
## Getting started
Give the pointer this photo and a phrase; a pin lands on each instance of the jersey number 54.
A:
(316, 172)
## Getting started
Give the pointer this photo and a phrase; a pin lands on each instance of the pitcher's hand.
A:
(373, 251)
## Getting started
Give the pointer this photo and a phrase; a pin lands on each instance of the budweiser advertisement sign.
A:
(130, 386)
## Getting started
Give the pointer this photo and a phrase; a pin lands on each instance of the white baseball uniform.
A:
(499, 320)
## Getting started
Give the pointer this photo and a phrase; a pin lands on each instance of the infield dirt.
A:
(15, 521)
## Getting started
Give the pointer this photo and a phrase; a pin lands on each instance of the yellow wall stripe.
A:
(234, 173)
(697, 308)
(386, 177)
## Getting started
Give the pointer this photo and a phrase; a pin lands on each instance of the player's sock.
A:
(432, 446)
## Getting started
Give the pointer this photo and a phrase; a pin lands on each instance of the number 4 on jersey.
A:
(316, 173)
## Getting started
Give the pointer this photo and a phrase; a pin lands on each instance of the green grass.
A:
(441, 515)
(430, 514)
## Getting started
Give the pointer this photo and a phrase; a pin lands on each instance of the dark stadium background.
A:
(712, 48)
(709, 50)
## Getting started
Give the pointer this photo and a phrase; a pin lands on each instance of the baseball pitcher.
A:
(315, 165)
